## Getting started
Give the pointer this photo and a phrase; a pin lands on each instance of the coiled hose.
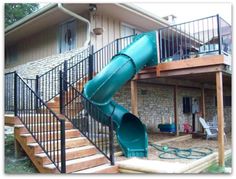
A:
(176, 153)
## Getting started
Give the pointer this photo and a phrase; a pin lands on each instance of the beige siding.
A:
(42, 45)
(80, 34)
(111, 30)
(37, 46)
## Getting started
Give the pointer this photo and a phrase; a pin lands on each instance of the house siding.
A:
(35, 47)
(38, 50)
(155, 101)
(111, 30)
(42, 45)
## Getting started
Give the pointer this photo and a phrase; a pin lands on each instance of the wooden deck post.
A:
(220, 114)
(203, 106)
(176, 110)
(134, 97)
(18, 149)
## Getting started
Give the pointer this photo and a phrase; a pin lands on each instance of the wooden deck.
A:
(206, 72)
(136, 165)
(191, 66)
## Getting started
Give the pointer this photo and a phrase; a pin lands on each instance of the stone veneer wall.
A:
(39, 67)
(211, 108)
(155, 101)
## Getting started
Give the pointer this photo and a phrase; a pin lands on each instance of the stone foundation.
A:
(157, 101)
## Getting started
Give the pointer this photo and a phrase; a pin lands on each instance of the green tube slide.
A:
(131, 133)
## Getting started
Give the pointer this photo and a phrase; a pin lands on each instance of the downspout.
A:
(88, 38)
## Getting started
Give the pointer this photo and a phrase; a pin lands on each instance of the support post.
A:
(219, 33)
(111, 142)
(117, 46)
(158, 47)
(220, 116)
(203, 106)
(176, 110)
(63, 146)
(65, 74)
(15, 94)
(134, 97)
(37, 91)
(62, 94)
(91, 61)
(18, 149)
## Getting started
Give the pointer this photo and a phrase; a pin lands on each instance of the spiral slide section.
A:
(131, 132)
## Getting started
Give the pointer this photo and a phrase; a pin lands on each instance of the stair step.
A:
(81, 163)
(53, 104)
(39, 118)
(72, 153)
(45, 111)
(11, 120)
(106, 168)
(70, 143)
(43, 127)
(51, 135)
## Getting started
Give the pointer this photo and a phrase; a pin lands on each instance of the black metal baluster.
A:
(185, 42)
(111, 142)
(203, 34)
(160, 40)
(213, 29)
(164, 41)
(168, 41)
(219, 33)
(181, 43)
(189, 38)
(15, 94)
(194, 38)
(63, 148)
(172, 41)
(208, 35)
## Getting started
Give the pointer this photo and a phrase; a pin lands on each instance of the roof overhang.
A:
(51, 15)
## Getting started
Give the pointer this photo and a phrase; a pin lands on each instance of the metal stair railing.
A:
(42, 123)
(98, 132)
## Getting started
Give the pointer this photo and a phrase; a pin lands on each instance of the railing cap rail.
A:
(171, 26)
(53, 113)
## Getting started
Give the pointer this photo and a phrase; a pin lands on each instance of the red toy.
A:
(187, 128)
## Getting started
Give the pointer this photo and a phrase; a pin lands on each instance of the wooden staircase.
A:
(54, 104)
(81, 155)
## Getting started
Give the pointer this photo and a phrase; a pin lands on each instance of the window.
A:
(127, 30)
(187, 104)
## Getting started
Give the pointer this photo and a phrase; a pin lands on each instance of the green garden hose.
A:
(190, 153)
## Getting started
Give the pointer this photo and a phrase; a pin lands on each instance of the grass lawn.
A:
(21, 165)
(215, 168)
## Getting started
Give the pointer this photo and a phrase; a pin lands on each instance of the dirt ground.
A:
(153, 153)
(13, 165)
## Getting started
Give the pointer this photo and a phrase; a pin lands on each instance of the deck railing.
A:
(192, 39)
(84, 70)
(48, 83)
(43, 124)
(72, 102)
(76, 68)
(226, 36)
(95, 125)
(9, 92)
